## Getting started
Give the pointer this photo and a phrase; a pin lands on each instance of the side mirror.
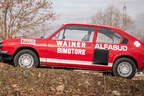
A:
(42, 37)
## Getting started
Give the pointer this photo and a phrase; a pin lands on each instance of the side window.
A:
(76, 33)
(108, 36)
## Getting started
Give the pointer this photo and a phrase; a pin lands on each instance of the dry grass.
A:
(51, 82)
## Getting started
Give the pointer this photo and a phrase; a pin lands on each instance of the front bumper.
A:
(4, 56)
(3, 52)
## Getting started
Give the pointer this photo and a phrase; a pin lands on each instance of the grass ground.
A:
(55, 82)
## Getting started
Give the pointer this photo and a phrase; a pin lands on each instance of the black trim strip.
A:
(101, 56)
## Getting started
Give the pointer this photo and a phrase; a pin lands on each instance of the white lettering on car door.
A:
(70, 47)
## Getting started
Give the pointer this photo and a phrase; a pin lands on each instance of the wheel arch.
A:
(126, 56)
(29, 48)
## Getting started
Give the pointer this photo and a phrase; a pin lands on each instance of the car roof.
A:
(119, 31)
(91, 25)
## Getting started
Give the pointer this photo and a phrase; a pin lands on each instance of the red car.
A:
(79, 46)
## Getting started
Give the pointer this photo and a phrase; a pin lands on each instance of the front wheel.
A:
(26, 58)
(125, 68)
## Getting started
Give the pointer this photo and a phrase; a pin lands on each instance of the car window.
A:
(108, 36)
(76, 33)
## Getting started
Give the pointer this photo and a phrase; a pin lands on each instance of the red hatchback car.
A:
(79, 46)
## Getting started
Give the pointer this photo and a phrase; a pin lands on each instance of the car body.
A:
(80, 46)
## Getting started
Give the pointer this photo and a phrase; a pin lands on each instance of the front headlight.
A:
(1, 44)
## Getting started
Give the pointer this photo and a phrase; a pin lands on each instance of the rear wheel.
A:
(125, 68)
(26, 58)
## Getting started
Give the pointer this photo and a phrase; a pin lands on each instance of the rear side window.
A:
(108, 36)
(125, 40)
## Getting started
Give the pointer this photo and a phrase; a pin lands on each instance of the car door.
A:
(108, 44)
(72, 45)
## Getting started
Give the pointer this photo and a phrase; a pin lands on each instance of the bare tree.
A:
(41, 31)
(111, 16)
(23, 16)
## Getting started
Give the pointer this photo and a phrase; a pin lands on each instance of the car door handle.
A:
(89, 44)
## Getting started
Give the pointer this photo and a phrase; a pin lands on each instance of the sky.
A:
(80, 11)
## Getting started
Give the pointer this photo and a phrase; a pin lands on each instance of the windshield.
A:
(52, 31)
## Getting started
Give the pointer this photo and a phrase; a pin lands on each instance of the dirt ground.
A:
(58, 82)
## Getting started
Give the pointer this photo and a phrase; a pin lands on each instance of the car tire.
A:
(125, 68)
(26, 58)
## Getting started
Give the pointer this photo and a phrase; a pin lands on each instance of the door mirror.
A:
(42, 37)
